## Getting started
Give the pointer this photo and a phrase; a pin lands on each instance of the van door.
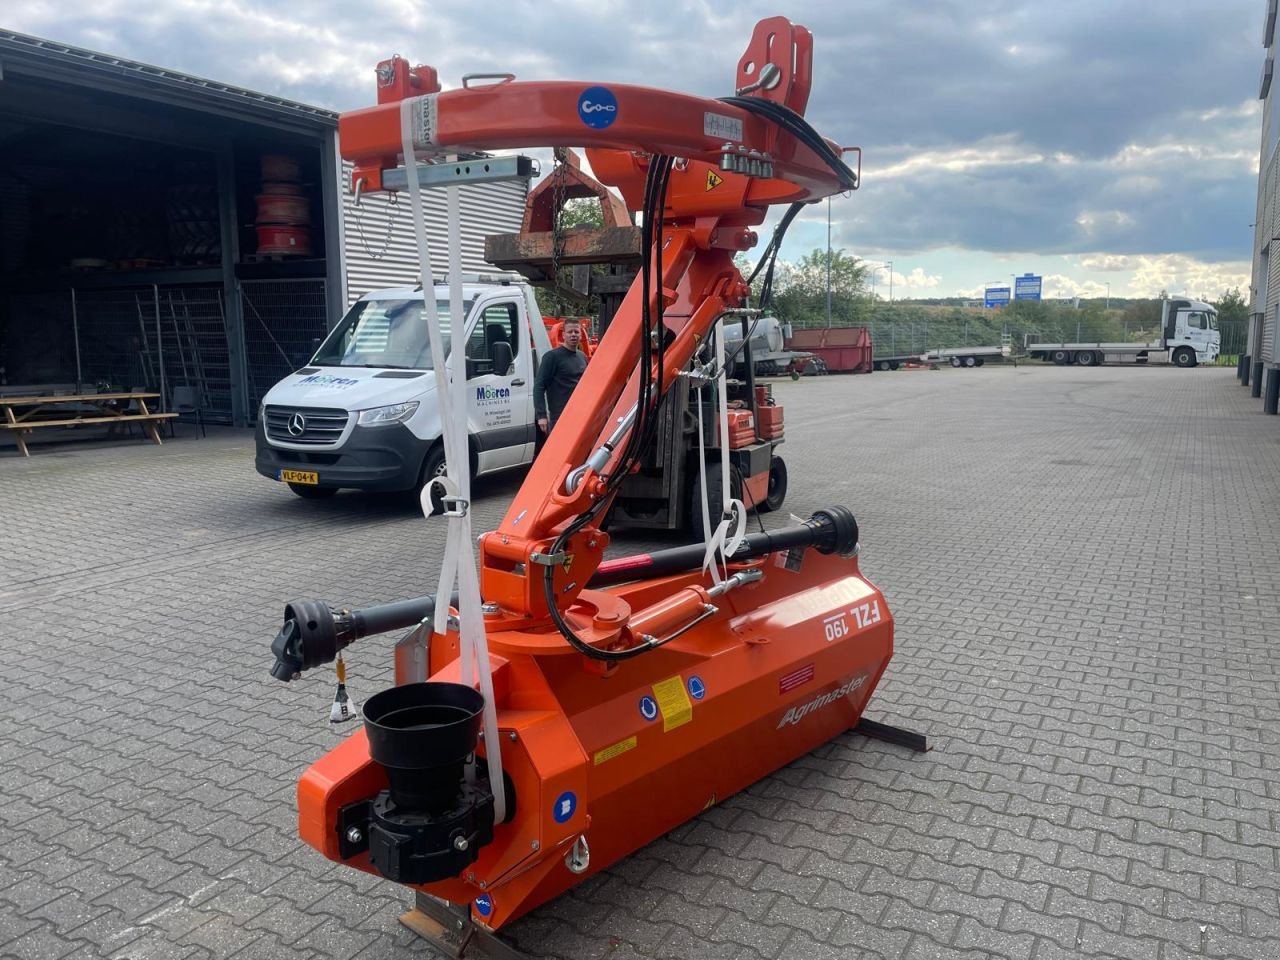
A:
(499, 387)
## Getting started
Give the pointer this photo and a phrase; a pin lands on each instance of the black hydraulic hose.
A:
(314, 632)
(833, 530)
(801, 129)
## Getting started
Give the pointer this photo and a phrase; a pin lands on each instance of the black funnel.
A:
(422, 734)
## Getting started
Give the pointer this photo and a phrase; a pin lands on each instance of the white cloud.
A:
(1106, 262)
(917, 279)
(1180, 274)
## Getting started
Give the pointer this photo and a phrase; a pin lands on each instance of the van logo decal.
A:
(484, 394)
(329, 380)
(297, 425)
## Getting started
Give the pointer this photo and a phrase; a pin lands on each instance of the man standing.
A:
(558, 373)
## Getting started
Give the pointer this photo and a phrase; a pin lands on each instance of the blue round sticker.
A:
(566, 804)
(597, 107)
(649, 708)
(484, 906)
(697, 689)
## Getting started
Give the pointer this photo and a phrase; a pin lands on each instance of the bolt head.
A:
(354, 835)
(460, 843)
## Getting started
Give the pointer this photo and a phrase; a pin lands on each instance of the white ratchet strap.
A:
(729, 532)
(459, 564)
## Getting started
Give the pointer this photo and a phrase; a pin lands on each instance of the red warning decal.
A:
(796, 678)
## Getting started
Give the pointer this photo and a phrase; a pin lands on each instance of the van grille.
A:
(320, 425)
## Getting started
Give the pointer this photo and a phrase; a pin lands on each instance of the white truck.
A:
(363, 413)
(1188, 335)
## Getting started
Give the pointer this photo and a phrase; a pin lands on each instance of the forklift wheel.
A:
(777, 486)
(694, 518)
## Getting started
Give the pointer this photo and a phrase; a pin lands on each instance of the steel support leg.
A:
(449, 929)
(889, 734)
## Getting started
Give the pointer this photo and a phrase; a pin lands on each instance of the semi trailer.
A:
(1188, 335)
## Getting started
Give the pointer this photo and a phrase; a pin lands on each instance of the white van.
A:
(363, 413)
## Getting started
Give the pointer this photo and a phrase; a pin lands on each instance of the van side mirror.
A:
(503, 358)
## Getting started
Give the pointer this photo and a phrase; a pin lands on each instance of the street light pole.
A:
(828, 262)
(1108, 296)
(890, 262)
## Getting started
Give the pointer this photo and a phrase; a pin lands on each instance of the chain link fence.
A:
(906, 332)
(283, 319)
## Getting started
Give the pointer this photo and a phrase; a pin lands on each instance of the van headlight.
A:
(382, 416)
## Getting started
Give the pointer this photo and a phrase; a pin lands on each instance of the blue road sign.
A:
(1027, 287)
(996, 297)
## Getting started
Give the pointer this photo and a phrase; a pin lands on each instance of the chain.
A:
(393, 204)
(557, 227)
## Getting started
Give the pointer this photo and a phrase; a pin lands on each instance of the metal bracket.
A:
(353, 829)
(551, 559)
(501, 78)
(451, 930)
(482, 170)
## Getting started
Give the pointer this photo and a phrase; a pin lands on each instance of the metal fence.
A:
(899, 338)
(283, 319)
(154, 338)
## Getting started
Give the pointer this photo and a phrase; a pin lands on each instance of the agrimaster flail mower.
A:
(560, 711)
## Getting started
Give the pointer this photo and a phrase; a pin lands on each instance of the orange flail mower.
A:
(633, 693)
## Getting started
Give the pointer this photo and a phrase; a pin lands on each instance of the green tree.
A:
(1232, 307)
(800, 289)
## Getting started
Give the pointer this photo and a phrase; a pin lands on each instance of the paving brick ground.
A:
(1084, 571)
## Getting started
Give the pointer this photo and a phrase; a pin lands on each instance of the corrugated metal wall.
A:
(1267, 268)
(379, 242)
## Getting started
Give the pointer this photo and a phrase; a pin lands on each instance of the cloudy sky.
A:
(1097, 142)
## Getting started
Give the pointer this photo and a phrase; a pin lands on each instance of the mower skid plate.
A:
(891, 734)
(450, 930)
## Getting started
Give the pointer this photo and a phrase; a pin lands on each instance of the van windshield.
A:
(1213, 320)
(384, 333)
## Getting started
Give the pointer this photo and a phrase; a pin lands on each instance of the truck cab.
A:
(1191, 332)
(363, 413)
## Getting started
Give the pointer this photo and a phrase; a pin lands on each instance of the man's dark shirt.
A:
(558, 374)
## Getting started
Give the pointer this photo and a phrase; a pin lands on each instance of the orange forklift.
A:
(617, 698)
(665, 491)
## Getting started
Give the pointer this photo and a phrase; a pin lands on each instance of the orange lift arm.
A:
(736, 159)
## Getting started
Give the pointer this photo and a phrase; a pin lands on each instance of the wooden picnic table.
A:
(24, 414)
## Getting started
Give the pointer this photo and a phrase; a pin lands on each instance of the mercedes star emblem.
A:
(297, 425)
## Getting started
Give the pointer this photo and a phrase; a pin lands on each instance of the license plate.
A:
(300, 476)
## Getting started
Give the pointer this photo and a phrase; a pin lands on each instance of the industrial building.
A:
(162, 231)
(1264, 288)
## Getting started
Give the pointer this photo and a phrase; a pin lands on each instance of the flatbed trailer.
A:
(1189, 335)
(955, 356)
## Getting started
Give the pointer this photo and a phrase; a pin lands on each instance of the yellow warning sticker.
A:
(713, 179)
(617, 750)
(673, 702)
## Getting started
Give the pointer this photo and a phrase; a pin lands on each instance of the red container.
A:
(742, 429)
(770, 422)
(842, 349)
(276, 166)
(283, 208)
(282, 186)
(276, 240)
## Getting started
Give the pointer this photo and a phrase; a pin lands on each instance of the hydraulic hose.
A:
(314, 632)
